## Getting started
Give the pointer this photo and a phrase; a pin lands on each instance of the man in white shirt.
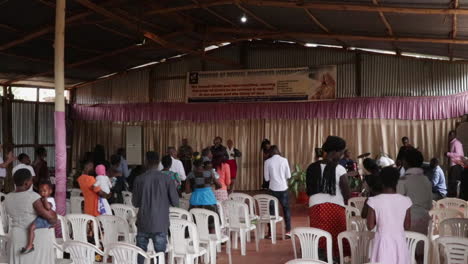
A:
(177, 165)
(4, 164)
(24, 163)
(277, 173)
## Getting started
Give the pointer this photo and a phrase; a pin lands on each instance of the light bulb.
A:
(243, 19)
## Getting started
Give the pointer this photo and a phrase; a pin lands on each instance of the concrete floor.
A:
(269, 253)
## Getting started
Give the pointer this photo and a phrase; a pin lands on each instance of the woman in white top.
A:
(22, 207)
(327, 186)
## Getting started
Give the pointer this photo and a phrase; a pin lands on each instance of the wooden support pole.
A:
(60, 130)
(455, 5)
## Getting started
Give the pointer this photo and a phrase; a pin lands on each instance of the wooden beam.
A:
(388, 27)
(255, 33)
(8, 28)
(78, 63)
(116, 32)
(150, 35)
(216, 14)
(25, 57)
(251, 14)
(321, 26)
(316, 6)
(455, 5)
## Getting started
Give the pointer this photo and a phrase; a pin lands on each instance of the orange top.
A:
(90, 194)
(224, 176)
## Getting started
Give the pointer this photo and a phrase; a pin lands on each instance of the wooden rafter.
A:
(116, 32)
(455, 5)
(216, 14)
(255, 33)
(150, 35)
(321, 26)
(316, 6)
(25, 57)
(389, 28)
(251, 14)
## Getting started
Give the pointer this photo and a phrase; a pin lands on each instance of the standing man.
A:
(123, 167)
(40, 166)
(218, 147)
(455, 155)
(153, 194)
(176, 166)
(24, 163)
(401, 154)
(277, 173)
(233, 154)
(185, 155)
(4, 165)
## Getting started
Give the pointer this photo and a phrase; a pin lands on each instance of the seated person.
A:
(437, 177)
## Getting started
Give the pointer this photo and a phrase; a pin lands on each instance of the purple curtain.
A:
(405, 108)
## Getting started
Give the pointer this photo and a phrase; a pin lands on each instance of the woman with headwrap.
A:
(328, 189)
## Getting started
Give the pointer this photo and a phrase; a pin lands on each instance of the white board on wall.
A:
(134, 145)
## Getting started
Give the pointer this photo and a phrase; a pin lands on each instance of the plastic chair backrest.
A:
(305, 261)
(123, 253)
(238, 214)
(359, 243)
(202, 218)
(127, 198)
(412, 241)
(245, 198)
(454, 227)
(263, 202)
(356, 223)
(3, 220)
(65, 227)
(113, 228)
(79, 227)
(357, 202)
(352, 211)
(222, 215)
(82, 252)
(455, 249)
(178, 237)
(127, 213)
(76, 203)
(184, 203)
(179, 213)
(309, 241)
(2, 197)
(440, 214)
(75, 192)
(453, 203)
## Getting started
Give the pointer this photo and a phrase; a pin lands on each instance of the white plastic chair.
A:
(263, 202)
(356, 223)
(114, 229)
(64, 227)
(352, 211)
(184, 203)
(359, 243)
(186, 248)
(412, 241)
(453, 203)
(127, 213)
(440, 214)
(2, 197)
(202, 218)
(82, 252)
(123, 253)
(127, 198)
(76, 203)
(305, 261)
(454, 227)
(309, 241)
(250, 201)
(179, 213)
(357, 202)
(224, 220)
(79, 227)
(4, 249)
(3, 221)
(240, 223)
(75, 192)
(454, 250)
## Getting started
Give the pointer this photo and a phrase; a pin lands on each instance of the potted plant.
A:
(297, 184)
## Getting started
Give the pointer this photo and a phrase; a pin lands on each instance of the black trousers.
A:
(454, 176)
(187, 166)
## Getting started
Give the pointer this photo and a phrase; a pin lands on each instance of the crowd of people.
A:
(400, 193)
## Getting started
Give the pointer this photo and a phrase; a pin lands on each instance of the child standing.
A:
(390, 212)
(104, 183)
(45, 189)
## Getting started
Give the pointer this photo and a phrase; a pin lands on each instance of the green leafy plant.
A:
(297, 183)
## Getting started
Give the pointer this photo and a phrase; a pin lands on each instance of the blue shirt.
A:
(123, 168)
(437, 178)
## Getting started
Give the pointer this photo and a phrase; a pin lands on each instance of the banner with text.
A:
(290, 84)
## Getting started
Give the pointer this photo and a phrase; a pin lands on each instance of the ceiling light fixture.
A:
(243, 19)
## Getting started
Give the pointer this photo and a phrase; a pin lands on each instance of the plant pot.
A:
(302, 198)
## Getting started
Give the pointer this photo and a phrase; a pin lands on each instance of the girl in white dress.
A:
(103, 182)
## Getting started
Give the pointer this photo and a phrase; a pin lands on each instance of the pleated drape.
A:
(295, 138)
